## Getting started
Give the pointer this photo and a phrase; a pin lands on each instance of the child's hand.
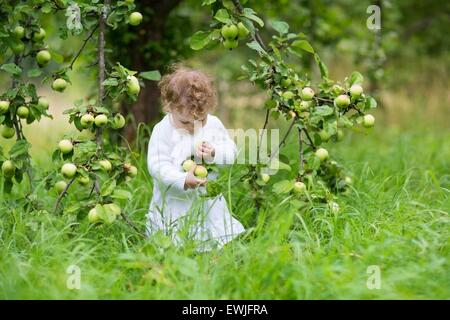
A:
(192, 181)
(206, 151)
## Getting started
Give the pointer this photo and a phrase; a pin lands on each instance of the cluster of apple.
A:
(200, 171)
(106, 213)
(69, 170)
(88, 120)
(232, 33)
(22, 111)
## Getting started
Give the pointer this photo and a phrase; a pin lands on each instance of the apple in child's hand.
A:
(101, 120)
(93, 216)
(8, 168)
(105, 165)
(299, 187)
(87, 120)
(4, 106)
(188, 164)
(200, 172)
(322, 154)
(65, 146)
(368, 121)
(69, 170)
(60, 186)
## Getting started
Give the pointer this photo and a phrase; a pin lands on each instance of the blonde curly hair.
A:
(187, 88)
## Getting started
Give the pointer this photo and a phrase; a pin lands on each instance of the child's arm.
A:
(160, 163)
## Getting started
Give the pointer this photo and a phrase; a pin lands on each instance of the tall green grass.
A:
(395, 217)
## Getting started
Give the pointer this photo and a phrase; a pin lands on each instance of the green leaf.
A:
(208, 2)
(251, 14)
(322, 67)
(19, 148)
(323, 110)
(108, 187)
(199, 40)
(280, 26)
(283, 186)
(222, 16)
(371, 103)
(303, 45)
(34, 73)
(112, 82)
(255, 46)
(151, 75)
(121, 194)
(11, 68)
(356, 78)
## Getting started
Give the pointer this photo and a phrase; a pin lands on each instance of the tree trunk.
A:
(147, 108)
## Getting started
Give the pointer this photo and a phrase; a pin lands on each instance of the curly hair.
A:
(187, 88)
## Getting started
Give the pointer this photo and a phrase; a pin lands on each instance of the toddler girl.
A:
(189, 130)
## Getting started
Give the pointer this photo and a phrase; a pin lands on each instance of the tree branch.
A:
(131, 223)
(300, 150)
(62, 194)
(83, 46)
(255, 35)
(258, 147)
(283, 141)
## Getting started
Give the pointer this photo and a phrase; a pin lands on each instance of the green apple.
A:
(307, 94)
(348, 180)
(299, 187)
(84, 181)
(8, 168)
(242, 31)
(188, 164)
(69, 170)
(368, 121)
(118, 121)
(87, 120)
(334, 207)
(18, 47)
(342, 101)
(322, 154)
(8, 132)
(38, 36)
(105, 165)
(101, 120)
(23, 112)
(265, 177)
(65, 146)
(114, 208)
(133, 86)
(305, 105)
(356, 90)
(43, 103)
(286, 82)
(229, 32)
(19, 32)
(230, 44)
(132, 171)
(43, 57)
(288, 95)
(340, 135)
(59, 85)
(200, 172)
(60, 186)
(93, 216)
(135, 18)
(324, 135)
(4, 106)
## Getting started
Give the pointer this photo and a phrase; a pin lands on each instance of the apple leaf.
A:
(222, 16)
(283, 186)
(108, 187)
(151, 75)
(11, 68)
(251, 14)
(255, 46)
(323, 110)
(199, 40)
(280, 26)
(303, 45)
(34, 73)
(208, 2)
(356, 78)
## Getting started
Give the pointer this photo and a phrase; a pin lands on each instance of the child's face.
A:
(186, 120)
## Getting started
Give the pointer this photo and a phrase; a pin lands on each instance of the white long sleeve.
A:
(159, 161)
(225, 148)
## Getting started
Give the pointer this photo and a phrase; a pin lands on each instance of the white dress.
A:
(180, 213)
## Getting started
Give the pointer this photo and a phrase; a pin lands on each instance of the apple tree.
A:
(319, 112)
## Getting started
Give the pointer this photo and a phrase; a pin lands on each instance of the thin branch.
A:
(283, 141)
(256, 36)
(258, 147)
(309, 139)
(63, 193)
(83, 46)
(300, 149)
(131, 223)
